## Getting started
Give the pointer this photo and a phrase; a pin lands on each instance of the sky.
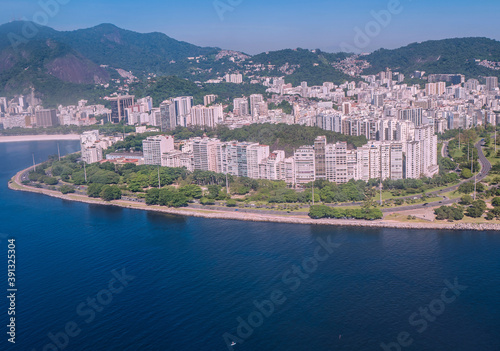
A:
(254, 26)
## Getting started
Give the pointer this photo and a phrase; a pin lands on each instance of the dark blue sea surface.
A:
(190, 283)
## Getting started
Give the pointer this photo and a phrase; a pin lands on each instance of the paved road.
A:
(444, 149)
(485, 168)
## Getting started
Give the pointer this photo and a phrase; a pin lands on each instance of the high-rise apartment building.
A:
(168, 117)
(273, 168)
(255, 99)
(236, 78)
(304, 165)
(183, 105)
(320, 158)
(332, 122)
(414, 115)
(209, 99)
(118, 106)
(155, 146)
(46, 118)
(491, 83)
(255, 155)
(205, 154)
(241, 107)
(207, 116)
(89, 146)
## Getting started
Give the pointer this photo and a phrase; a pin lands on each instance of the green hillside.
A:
(439, 56)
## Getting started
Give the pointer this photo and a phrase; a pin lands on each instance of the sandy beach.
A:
(41, 137)
(15, 184)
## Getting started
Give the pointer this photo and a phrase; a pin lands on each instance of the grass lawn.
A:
(387, 195)
(492, 157)
(418, 201)
(403, 218)
(479, 220)
(455, 153)
(452, 195)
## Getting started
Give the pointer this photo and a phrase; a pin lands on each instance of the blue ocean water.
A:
(185, 283)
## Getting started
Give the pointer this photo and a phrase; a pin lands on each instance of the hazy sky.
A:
(255, 26)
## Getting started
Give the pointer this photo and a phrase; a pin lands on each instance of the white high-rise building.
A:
(3, 104)
(273, 168)
(205, 154)
(255, 99)
(207, 116)
(209, 99)
(332, 122)
(405, 131)
(241, 107)
(183, 105)
(425, 135)
(491, 83)
(255, 155)
(304, 89)
(145, 104)
(414, 160)
(90, 147)
(336, 163)
(178, 159)
(236, 78)
(289, 170)
(155, 117)
(304, 165)
(155, 146)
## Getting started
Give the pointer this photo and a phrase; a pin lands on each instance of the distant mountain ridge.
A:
(62, 65)
(456, 55)
(48, 59)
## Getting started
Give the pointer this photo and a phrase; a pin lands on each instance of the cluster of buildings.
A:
(92, 145)
(398, 120)
(235, 78)
(447, 101)
(26, 112)
(414, 155)
(172, 113)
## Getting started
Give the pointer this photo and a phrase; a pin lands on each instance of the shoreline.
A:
(15, 184)
(40, 137)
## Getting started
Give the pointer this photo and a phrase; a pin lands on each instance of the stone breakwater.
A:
(15, 184)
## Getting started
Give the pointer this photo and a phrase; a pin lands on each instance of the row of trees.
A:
(451, 213)
(322, 211)
(473, 209)
(105, 192)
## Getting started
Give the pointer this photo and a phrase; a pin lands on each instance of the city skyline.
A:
(258, 26)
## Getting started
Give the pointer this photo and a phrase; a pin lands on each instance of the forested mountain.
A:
(439, 56)
(65, 66)
(150, 52)
(54, 69)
